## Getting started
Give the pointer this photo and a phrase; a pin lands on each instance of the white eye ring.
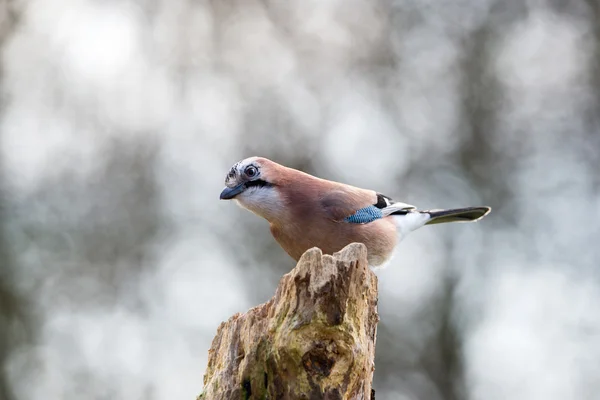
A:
(251, 171)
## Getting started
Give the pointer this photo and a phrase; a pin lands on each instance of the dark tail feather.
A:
(468, 214)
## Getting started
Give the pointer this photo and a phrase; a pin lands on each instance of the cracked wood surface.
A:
(315, 339)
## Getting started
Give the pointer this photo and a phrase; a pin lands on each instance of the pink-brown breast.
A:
(379, 236)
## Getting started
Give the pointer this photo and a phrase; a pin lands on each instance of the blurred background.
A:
(120, 119)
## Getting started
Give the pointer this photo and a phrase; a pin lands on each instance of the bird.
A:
(305, 211)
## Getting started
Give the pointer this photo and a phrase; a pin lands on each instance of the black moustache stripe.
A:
(257, 183)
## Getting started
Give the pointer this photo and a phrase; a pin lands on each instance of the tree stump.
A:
(315, 339)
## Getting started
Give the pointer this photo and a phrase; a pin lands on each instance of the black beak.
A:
(230, 193)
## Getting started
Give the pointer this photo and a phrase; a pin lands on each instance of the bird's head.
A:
(252, 182)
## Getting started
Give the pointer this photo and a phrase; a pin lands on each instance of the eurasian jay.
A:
(305, 211)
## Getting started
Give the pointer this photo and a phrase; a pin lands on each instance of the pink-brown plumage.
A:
(305, 211)
(314, 210)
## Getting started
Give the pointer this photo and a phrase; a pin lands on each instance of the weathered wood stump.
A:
(315, 339)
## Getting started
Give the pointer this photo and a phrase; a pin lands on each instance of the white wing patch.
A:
(396, 206)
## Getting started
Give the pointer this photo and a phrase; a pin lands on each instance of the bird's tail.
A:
(468, 214)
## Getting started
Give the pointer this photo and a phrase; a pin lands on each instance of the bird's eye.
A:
(251, 171)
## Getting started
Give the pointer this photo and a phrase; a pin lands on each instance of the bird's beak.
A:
(230, 193)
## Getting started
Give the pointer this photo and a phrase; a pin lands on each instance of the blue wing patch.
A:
(365, 215)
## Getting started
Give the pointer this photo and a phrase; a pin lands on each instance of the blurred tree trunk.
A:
(315, 339)
(16, 322)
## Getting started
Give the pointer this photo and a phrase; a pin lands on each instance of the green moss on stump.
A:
(314, 339)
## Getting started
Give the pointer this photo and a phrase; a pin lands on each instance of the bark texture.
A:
(315, 339)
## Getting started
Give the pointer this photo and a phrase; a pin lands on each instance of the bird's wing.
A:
(342, 202)
(359, 206)
(389, 206)
(397, 208)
